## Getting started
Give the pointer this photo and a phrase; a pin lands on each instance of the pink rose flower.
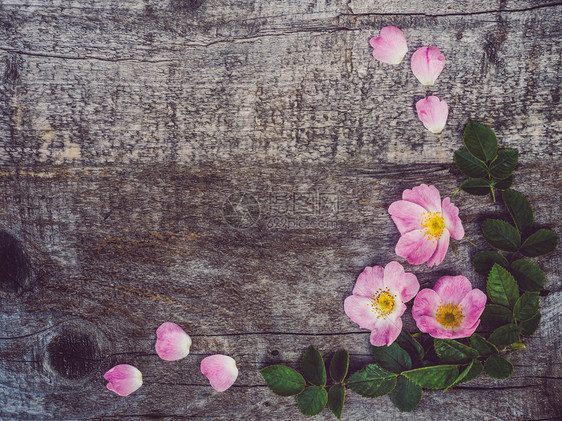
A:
(377, 303)
(390, 46)
(221, 371)
(426, 225)
(123, 379)
(450, 310)
(172, 343)
(433, 113)
(427, 64)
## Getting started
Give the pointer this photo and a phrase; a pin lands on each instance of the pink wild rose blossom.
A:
(221, 371)
(427, 64)
(426, 225)
(450, 310)
(377, 303)
(172, 343)
(390, 46)
(433, 113)
(123, 379)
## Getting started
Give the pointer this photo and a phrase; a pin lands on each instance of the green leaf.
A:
(504, 335)
(526, 306)
(469, 164)
(434, 377)
(483, 346)
(461, 376)
(372, 381)
(476, 186)
(519, 208)
(339, 366)
(504, 163)
(336, 399)
(498, 367)
(502, 184)
(541, 242)
(528, 327)
(450, 351)
(495, 315)
(528, 275)
(474, 372)
(480, 141)
(484, 260)
(502, 287)
(501, 235)
(392, 358)
(283, 380)
(406, 395)
(313, 368)
(410, 345)
(312, 400)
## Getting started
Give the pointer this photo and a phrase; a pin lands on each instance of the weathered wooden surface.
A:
(127, 125)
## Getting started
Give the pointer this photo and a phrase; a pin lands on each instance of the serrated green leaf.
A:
(461, 376)
(372, 381)
(392, 358)
(528, 275)
(495, 315)
(480, 141)
(283, 380)
(313, 368)
(504, 163)
(312, 400)
(453, 352)
(336, 399)
(528, 327)
(501, 235)
(519, 208)
(484, 260)
(498, 367)
(540, 242)
(406, 395)
(476, 186)
(474, 372)
(483, 346)
(502, 184)
(469, 164)
(505, 335)
(339, 366)
(410, 345)
(434, 377)
(502, 287)
(526, 306)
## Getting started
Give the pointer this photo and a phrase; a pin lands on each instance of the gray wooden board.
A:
(127, 128)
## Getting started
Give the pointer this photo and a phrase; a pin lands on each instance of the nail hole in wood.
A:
(14, 265)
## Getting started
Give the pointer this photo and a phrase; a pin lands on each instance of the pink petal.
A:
(369, 281)
(441, 251)
(406, 215)
(427, 64)
(472, 307)
(464, 332)
(433, 113)
(427, 324)
(415, 247)
(423, 312)
(172, 343)
(386, 331)
(406, 284)
(427, 197)
(359, 310)
(452, 221)
(452, 289)
(123, 379)
(221, 371)
(390, 46)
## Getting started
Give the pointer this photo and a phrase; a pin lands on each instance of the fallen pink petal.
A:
(427, 64)
(172, 342)
(433, 113)
(221, 371)
(123, 379)
(377, 303)
(450, 310)
(426, 225)
(390, 46)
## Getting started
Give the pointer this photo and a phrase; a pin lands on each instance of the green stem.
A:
(470, 242)
(455, 193)
(493, 194)
(454, 248)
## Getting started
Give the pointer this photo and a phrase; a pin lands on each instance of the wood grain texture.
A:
(129, 132)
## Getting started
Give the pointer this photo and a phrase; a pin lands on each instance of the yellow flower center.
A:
(383, 303)
(434, 225)
(449, 315)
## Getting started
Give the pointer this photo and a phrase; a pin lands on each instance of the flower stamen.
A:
(434, 225)
(383, 302)
(449, 315)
